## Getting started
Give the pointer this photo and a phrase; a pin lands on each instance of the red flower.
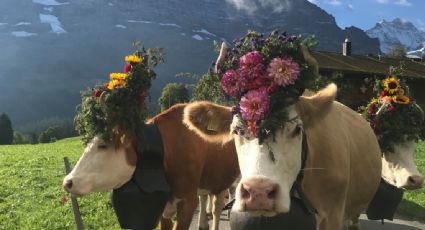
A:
(391, 108)
(64, 199)
(383, 94)
(97, 93)
(252, 127)
(127, 68)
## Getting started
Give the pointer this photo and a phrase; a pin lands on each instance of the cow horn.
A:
(421, 111)
(221, 56)
(311, 61)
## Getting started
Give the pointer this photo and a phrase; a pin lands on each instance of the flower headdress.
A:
(393, 114)
(265, 75)
(121, 101)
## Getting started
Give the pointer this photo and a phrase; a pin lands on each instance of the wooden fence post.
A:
(74, 202)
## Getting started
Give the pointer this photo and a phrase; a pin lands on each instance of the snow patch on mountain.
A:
(136, 21)
(121, 26)
(49, 2)
(22, 34)
(54, 22)
(204, 31)
(395, 32)
(197, 37)
(23, 24)
(420, 53)
(169, 24)
(50, 9)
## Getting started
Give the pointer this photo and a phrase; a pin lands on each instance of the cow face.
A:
(103, 166)
(398, 167)
(268, 169)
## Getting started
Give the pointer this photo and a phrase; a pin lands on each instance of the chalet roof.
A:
(366, 64)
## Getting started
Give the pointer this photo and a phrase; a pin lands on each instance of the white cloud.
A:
(403, 3)
(350, 7)
(334, 2)
(250, 6)
(382, 1)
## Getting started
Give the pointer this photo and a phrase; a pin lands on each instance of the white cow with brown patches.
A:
(343, 167)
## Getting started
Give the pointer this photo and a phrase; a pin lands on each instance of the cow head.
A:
(398, 166)
(268, 168)
(104, 165)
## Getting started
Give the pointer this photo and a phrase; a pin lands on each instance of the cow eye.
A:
(297, 131)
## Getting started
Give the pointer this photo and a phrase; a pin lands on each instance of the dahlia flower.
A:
(231, 83)
(254, 105)
(251, 65)
(284, 71)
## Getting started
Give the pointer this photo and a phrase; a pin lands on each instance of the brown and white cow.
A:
(343, 167)
(191, 165)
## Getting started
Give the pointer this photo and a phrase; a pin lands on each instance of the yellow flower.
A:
(372, 102)
(133, 59)
(116, 83)
(401, 99)
(118, 76)
(391, 85)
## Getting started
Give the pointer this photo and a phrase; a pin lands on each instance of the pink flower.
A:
(255, 105)
(251, 65)
(231, 83)
(284, 71)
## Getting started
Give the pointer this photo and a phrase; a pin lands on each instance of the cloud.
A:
(350, 7)
(403, 3)
(334, 2)
(250, 6)
(313, 1)
(382, 1)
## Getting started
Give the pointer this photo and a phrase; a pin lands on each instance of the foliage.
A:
(343, 83)
(21, 138)
(6, 131)
(266, 75)
(208, 88)
(397, 51)
(121, 102)
(49, 135)
(392, 113)
(173, 93)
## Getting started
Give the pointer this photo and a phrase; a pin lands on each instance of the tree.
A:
(208, 88)
(49, 135)
(397, 51)
(172, 94)
(6, 131)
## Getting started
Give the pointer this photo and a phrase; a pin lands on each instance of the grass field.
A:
(30, 190)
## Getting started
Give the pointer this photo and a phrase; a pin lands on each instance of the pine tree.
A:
(6, 131)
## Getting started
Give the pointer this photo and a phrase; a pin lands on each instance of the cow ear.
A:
(312, 107)
(210, 121)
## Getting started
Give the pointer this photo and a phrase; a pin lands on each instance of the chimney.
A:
(346, 48)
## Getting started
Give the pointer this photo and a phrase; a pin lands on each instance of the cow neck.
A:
(297, 190)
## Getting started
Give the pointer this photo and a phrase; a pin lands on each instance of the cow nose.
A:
(258, 195)
(414, 182)
(67, 185)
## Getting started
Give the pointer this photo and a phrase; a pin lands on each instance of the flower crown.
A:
(121, 101)
(265, 75)
(393, 114)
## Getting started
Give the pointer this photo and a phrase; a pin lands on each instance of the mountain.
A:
(52, 49)
(420, 53)
(395, 32)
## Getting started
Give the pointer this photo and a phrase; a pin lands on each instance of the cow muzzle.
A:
(258, 194)
(413, 182)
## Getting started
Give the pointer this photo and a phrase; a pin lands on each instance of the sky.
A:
(366, 13)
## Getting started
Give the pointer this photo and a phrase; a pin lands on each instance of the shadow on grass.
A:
(388, 225)
(409, 210)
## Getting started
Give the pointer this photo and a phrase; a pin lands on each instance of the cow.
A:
(342, 170)
(191, 165)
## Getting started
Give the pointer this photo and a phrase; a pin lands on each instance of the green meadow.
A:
(30, 190)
